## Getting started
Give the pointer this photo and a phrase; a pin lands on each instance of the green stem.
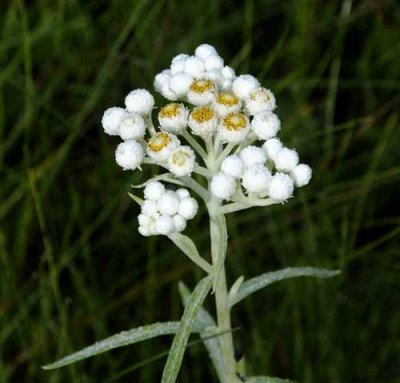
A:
(218, 243)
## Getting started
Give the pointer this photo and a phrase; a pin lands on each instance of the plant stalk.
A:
(221, 292)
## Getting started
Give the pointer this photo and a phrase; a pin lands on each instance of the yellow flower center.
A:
(234, 121)
(159, 142)
(180, 157)
(259, 94)
(201, 86)
(170, 110)
(227, 99)
(203, 114)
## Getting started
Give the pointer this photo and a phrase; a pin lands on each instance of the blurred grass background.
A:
(73, 268)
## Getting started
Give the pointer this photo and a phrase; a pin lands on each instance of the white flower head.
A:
(253, 155)
(179, 83)
(213, 62)
(154, 190)
(201, 92)
(280, 187)
(226, 103)
(301, 175)
(168, 204)
(188, 208)
(203, 121)
(162, 79)
(173, 118)
(160, 146)
(179, 223)
(265, 125)
(168, 93)
(243, 85)
(150, 208)
(272, 147)
(182, 161)
(286, 160)
(164, 225)
(260, 100)
(132, 127)
(111, 120)
(178, 63)
(182, 193)
(129, 155)
(194, 66)
(223, 186)
(205, 50)
(256, 179)
(234, 128)
(229, 76)
(233, 166)
(139, 101)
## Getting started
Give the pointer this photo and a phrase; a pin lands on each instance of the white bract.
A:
(227, 150)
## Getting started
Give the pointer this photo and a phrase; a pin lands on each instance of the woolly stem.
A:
(218, 247)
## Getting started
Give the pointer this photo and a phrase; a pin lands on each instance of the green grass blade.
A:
(189, 248)
(124, 338)
(267, 379)
(178, 347)
(263, 280)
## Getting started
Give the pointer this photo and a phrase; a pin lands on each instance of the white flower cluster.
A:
(165, 211)
(228, 121)
(178, 81)
(268, 171)
(162, 147)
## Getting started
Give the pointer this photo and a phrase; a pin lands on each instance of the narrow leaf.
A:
(167, 177)
(121, 339)
(138, 200)
(222, 243)
(235, 287)
(189, 248)
(205, 319)
(178, 347)
(267, 379)
(254, 284)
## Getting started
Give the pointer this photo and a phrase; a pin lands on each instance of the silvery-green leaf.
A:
(267, 379)
(204, 319)
(189, 248)
(219, 226)
(178, 347)
(254, 284)
(235, 287)
(138, 200)
(124, 338)
(167, 177)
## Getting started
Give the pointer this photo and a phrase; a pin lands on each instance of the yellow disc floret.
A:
(260, 94)
(234, 121)
(203, 114)
(180, 157)
(201, 86)
(170, 110)
(227, 99)
(159, 141)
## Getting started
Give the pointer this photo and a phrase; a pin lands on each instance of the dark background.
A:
(73, 268)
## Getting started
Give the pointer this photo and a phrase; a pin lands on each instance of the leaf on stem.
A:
(205, 319)
(181, 338)
(222, 246)
(138, 200)
(124, 338)
(263, 280)
(189, 248)
(167, 177)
